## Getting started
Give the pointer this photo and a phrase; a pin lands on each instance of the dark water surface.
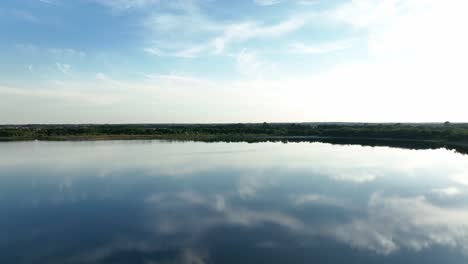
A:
(165, 202)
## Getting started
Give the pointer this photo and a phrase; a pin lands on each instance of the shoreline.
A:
(412, 136)
(406, 143)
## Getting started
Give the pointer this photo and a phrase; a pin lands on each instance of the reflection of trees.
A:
(420, 136)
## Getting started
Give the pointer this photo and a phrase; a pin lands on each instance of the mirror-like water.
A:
(165, 202)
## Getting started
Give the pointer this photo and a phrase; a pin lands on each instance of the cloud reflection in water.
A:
(161, 202)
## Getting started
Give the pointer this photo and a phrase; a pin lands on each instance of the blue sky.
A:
(119, 61)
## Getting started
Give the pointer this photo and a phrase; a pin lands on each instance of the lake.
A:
(186, 202)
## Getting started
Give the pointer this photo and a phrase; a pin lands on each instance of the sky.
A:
(220, 61)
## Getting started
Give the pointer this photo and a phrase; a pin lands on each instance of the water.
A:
(166, 202)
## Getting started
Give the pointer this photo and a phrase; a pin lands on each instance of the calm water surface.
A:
(165, 202)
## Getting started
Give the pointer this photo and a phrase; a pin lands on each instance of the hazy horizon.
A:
(248, 61)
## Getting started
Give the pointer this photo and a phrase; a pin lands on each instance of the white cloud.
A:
(412, 223)
(189, 52)
(126, 4)
(248, 217)
(200, 35)
(357, 176)
(315, 199)
(417, 29)
(319, 48)
(275, 2)
(217, 39)
(50, 2)
(178, 79)
(154, 51)
(67, 53)
(63, 68)
(448, 191)
(191, 257)
(244, 31)
(308, 2)
(192, 198)
(267, 2)
(360, 234)
(461, 178)
(31, 68)
(249, 184)
(251, 66)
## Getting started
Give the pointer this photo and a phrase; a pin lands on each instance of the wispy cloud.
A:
(55, 52)
(410, 223)
(316, 199)
(250, 30)
(31, 68)
(220, 38)
(308, 2)
(63, 68)
(178, 78)
(67, 53)
(267, 2)
(319, 48)
(188, 52)
(50, 2)
(199, 34)
(248, 64)
(126, 4)
(448, 191)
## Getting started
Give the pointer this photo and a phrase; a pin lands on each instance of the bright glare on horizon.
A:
(191, 61)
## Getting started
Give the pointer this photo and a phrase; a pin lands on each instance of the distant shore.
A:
(412, 136)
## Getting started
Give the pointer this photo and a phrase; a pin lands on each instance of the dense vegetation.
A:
(434, 132)
(451, 136)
